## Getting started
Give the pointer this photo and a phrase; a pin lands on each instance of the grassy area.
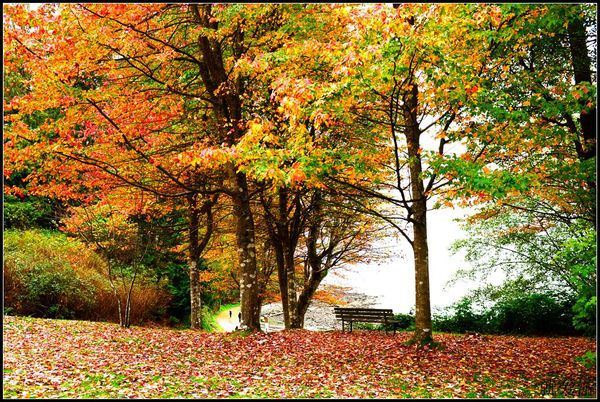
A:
(63, 359)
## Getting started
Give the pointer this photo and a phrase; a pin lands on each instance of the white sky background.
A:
(393, 279)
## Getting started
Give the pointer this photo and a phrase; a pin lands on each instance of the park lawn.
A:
(61, 358)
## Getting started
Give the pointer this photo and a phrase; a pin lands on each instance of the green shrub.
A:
(366, 325)
(47, 274)
(209, 319)
(579, 254)
(533, 314)
(529, 314)
(584, 319)
(461, 317)
(29, 213)
(588, 359)
(40, 279)
(406, 322)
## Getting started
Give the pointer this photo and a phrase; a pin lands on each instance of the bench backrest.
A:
(363, 314)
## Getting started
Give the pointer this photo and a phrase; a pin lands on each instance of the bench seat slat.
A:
(359, 316)
(361, 309)
(370, 315)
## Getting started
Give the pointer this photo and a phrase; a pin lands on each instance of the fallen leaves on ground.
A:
(79, 359)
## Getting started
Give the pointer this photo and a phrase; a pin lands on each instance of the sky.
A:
(392, 279)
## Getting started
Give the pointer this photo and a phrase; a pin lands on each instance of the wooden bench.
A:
(371, 315)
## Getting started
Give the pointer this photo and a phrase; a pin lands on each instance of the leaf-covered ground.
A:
(60, 358)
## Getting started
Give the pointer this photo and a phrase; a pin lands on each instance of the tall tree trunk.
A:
(582, 73)
(228, 109)
(314, 261)
(282, 279)
(245, 238)
(284, 233)
(194, 256)
(419, 209)
(310, 287)
(421, 258)
(292, 296)
(288, 234)
(580, 59)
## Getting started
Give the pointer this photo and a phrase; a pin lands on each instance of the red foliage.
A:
(54, 358)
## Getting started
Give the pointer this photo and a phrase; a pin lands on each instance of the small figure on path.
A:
(240, 316)
(266, 321)
(230, 314)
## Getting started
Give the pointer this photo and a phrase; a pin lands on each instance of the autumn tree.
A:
(106, 131)
(118, 238)
(151, 96)
(540, 101)
(400, 77)
(535, 185)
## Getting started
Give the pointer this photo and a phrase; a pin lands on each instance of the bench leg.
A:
(351, 326)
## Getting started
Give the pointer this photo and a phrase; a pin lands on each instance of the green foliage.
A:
(40, 279)
(209, 319)
(526, 314)
(559, 259)
(462, 317)
(534, 314)
(579, 254)
(47, 274)
(29, 213)
(585, 315)
(179, 288)
(366, 325)
(588, 359)
(474, 178)
(406, 322)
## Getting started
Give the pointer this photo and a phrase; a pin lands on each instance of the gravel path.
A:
(228, 324)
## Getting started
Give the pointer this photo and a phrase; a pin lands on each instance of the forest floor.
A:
(78, 359)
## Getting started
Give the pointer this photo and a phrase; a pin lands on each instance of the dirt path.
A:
(228, 324)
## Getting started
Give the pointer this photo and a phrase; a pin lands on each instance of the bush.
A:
(461, 318)
(40, 279)
(32, 212)
(46, 274)
(533, 314)
(529, 314)
(588, 359)
(579, 254)
(584, 319)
